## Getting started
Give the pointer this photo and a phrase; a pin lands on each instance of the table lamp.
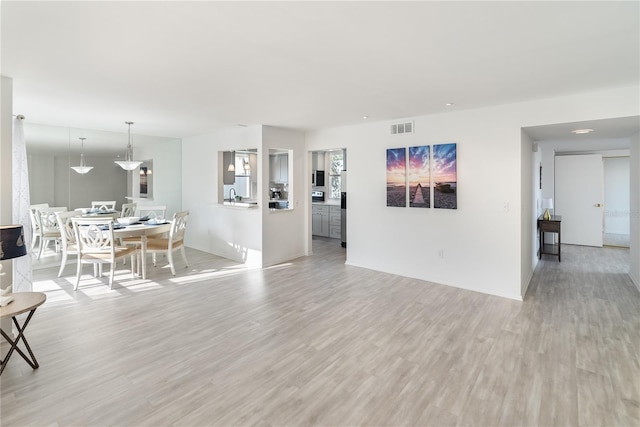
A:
(546, 205)
(11, 246)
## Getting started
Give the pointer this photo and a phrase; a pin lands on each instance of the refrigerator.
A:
(343, 209)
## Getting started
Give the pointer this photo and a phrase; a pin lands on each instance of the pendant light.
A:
(128, 163)
(83, 168)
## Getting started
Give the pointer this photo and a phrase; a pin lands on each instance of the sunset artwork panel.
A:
(419, 181)
(396, 177)
(445, 176)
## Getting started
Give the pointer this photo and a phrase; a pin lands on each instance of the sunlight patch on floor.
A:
(204, 275)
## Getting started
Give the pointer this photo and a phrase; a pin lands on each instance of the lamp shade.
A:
(12, 242)
(547, 203)
(83, 168)
(128, 163)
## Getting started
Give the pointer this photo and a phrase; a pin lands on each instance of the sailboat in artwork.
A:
(418, 198)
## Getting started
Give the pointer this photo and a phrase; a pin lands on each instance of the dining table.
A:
(142, 230)
(99, 213)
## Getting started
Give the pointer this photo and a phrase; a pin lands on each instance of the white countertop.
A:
(239, 205)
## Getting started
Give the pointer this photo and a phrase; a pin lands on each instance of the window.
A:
(239, 174)
(336, 162)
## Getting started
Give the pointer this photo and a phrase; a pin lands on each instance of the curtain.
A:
(22, 279)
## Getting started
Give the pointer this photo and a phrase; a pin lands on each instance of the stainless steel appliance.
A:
(276, 194)
(317, 196)
(343, 209)
(317, 178)
(343, 219)
(281, 204)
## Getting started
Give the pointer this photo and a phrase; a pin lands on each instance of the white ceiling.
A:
(183, 68)
(607, 135)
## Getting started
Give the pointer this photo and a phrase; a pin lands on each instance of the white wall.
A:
(616, 192)
(285, 231)
(482, 239)
(167, 172)
(477, 239)
(548, 160)
(230, 232)
(634, 205)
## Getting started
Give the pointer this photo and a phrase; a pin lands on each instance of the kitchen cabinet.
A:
(279, 168)
(320, 220)
(228, 159)
(326, 220)
(317, 160)
(335, 222)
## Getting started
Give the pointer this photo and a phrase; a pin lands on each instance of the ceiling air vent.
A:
(401, 128)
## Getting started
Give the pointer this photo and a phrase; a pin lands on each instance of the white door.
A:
(579, 196)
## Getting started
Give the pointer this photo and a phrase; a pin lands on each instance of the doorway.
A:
(328, 222)
(610, 137)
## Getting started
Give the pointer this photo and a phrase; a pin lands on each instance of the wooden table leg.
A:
(143, 249)
(559, 244)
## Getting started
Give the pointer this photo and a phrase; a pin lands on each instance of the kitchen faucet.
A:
(232, 199)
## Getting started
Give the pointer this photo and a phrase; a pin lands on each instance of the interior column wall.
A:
(634, 204)
(284, 231)
(6, 151)
(227, 231)
(530, 194)
(6, 177)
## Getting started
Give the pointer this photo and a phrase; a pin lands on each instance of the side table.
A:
(23, 302)
(552, 225)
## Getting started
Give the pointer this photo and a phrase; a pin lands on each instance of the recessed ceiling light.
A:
(365, 117)
(448, 104)
(579, 131)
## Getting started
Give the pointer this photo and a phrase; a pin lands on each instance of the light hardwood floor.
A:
(316, 342)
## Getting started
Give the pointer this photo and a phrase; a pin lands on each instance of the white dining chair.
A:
(174, 242)
(49, 229)
(67, 236)
(147, 213)
(35, 223)
(97, 246)
(128, 210)
(152, 212)
(103, 204)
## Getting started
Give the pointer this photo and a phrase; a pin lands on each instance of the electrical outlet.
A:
(505, 207)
